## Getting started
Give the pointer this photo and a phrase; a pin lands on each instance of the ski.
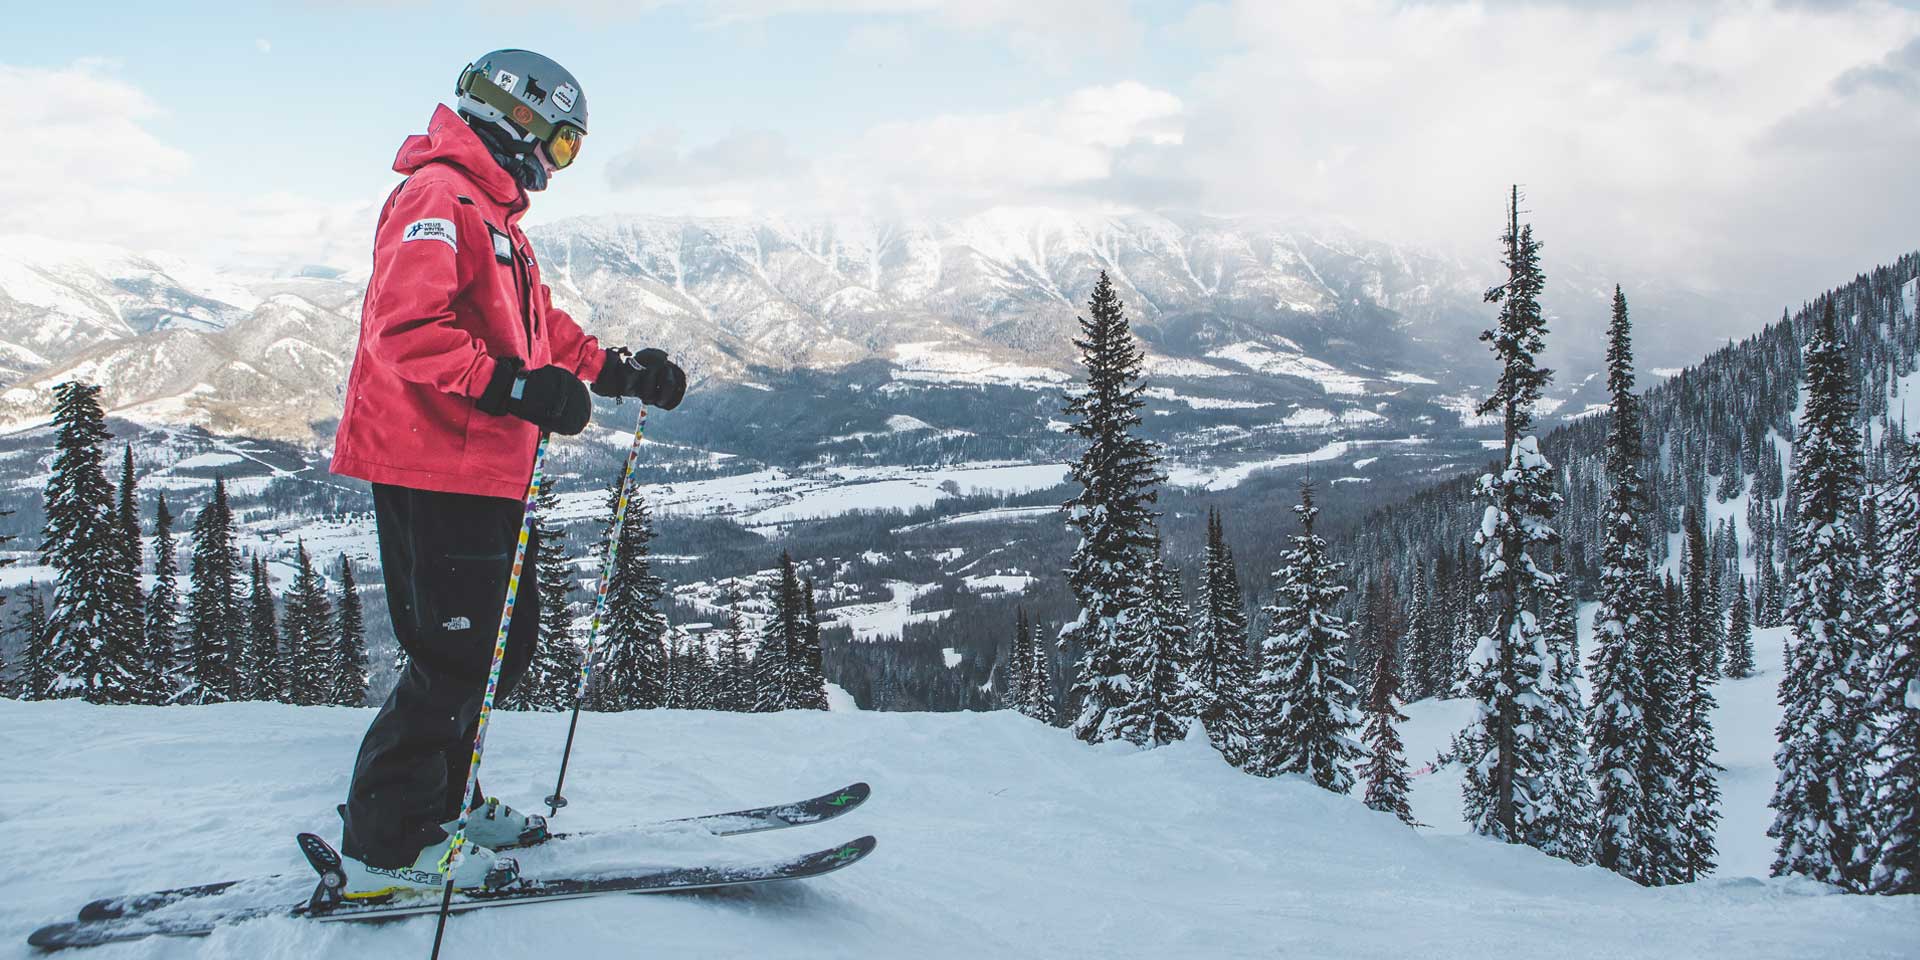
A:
(732, 824)
(327, 908)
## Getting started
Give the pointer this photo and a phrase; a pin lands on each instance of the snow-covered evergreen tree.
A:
(1161, 703)
(1113, 513)
(1698, 793)
(784, 679)
(1385, 771)
(1037, 701)
(36, 664)
(130, 625)
(1740, 633)
(733, 664)
(216, 617)
(309, 634)
(1702, 625)
(163, 605)
(1820, 801)
(1566, 829)
(1222, 677)
(631, 670)
(1302, 699)
(1509, 758)
(349, 679)
(1013, 674)
(553, 673)
(262, 667)
(89, 640)
(1896, 699)
(810, 692)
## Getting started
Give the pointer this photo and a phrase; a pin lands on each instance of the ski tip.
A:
(844, 855)
(105, 908)
(58, 936)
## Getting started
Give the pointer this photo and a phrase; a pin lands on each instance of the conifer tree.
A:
(1302, 698)
(349, 679)
(1222, 676)
(1386, 768)
(631, 672)
(1740, 633)
(130, 623)
(1896, 700)
(783, 678)
(1508, 760)
(309, 634)
(36, 666)
(1161, 703)
(553, 673)
(89, 644)
(1113, 513)
(1820, 800)
(262, 668)
(1037, 701)
(1698, 793)
(1702, 633)
(733, 666)
(1018, 663)
(216, 618)
(162, 627)
(810, 692)
(1565, 828)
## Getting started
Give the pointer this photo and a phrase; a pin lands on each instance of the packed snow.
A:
(999, 837)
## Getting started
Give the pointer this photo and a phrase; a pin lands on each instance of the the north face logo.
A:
(457, 623)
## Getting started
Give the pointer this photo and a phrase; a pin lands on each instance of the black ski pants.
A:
(446, 558)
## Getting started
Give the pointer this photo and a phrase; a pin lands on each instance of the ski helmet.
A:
(528, 96)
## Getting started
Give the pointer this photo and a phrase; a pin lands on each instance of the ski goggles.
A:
(563, 140)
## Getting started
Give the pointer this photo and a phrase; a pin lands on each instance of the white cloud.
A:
(263, 45)
(1050, 151)
(1703, 141)
(87, 168)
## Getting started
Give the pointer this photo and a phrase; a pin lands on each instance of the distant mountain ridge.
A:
(1316, 320)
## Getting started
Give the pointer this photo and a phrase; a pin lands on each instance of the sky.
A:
(1765, 147)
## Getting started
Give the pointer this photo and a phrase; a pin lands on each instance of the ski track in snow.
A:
(998, 838)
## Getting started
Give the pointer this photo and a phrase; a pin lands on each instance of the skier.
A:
(463, 363)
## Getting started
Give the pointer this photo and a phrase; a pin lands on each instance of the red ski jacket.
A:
(454, 286)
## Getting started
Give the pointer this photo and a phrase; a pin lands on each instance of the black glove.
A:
(647, 375)
(550, 398)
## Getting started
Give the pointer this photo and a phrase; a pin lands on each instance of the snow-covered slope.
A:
(998, 838)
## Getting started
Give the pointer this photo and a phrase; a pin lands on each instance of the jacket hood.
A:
(450, 141)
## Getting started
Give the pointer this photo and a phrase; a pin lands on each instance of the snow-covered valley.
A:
(998, 837)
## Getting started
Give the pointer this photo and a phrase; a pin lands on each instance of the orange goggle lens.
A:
(564, 148)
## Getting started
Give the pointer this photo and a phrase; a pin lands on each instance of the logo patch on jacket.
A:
(431, 228)
(502, 245)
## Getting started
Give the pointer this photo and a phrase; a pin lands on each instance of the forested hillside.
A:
(1718, 434)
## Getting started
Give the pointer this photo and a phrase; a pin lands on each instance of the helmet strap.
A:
(516, 156)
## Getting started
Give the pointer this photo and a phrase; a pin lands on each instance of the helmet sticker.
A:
(533, 93)
(505, 80)
(563, 96)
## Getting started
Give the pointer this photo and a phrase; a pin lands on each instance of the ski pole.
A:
(456, 848)
(555, 802)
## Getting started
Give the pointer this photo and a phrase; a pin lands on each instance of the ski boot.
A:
(499, 827)
(479, 869)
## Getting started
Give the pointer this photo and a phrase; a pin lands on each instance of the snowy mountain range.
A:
(1328, 326)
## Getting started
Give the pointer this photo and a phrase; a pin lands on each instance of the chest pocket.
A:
(519, 285)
